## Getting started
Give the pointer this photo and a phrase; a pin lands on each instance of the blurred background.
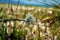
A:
(29, 20)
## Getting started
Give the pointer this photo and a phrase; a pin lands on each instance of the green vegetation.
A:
(47, 24)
